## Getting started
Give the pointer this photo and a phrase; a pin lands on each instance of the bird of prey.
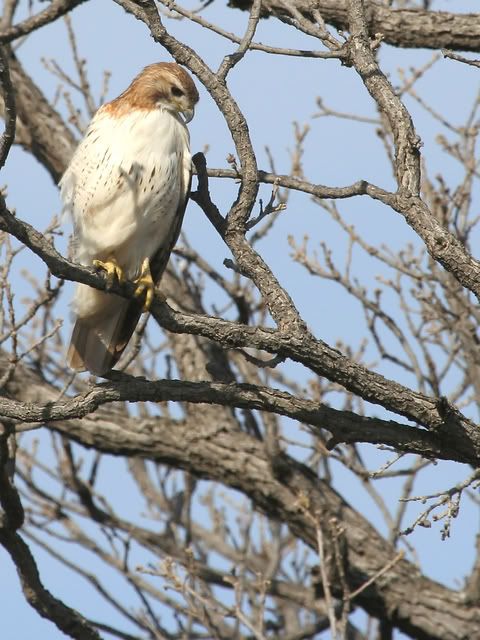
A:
(126, 189)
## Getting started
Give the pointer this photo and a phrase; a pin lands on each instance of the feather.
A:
(96, 346)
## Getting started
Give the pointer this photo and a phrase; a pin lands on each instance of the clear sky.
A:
(273, 93)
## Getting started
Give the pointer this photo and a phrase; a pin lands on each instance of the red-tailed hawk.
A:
(126, 189)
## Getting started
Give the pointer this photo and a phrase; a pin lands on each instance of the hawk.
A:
(126, 189)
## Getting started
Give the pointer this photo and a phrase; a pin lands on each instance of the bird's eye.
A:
(177, 92)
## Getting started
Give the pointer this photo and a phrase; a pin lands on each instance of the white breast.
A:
(124, 185)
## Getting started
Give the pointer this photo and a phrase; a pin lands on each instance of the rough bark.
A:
(409, 28)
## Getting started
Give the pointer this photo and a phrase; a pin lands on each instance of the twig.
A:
(262, 364)
(234, 58)
(325, 581)
(377, 575)
(56, 9)
(254, 46)
(458, 58)
(269, 209)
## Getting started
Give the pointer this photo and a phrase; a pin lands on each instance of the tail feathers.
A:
(98, 342)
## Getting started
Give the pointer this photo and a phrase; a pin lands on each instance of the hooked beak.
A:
(188, 114)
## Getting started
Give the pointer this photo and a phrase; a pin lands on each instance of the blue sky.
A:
(272, 93)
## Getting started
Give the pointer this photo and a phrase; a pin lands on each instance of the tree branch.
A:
(399, 27)
(65, 618)
(56, 9)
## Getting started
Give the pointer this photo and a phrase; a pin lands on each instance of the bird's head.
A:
(165, 85)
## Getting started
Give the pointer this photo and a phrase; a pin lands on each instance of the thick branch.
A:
(44, 132)
(442, 245)
(66, 619)
(240, 461)
(344, 425)
(399, 27)
(10, 109)
(305, 349)
(250, 263)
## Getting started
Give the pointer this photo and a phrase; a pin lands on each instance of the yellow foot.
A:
(145, 285)
(113, 270)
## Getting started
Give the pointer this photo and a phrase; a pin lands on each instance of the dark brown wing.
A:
(159, 260)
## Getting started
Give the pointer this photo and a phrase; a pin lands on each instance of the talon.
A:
(145, 285)
(113, 270)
